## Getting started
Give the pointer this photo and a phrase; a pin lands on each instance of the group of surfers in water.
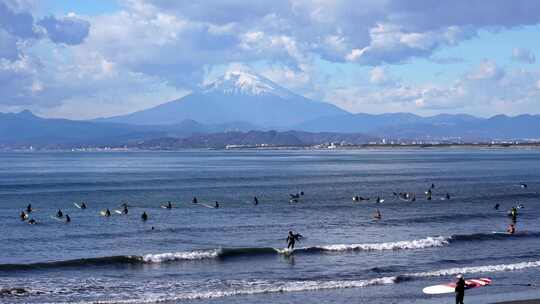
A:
(293, 198)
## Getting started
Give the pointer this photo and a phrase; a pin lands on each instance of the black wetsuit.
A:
(460, 291)
(68, 219)
(291, 239)
(144, 216)
(255, 200)
(194, 201)
(59, 213)
(83, 206)
(107, 212)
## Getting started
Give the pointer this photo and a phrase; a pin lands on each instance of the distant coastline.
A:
(535, 145)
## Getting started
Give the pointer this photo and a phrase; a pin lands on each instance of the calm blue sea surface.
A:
(234, 254)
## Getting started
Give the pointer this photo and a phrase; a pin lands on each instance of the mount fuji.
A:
(237, 96)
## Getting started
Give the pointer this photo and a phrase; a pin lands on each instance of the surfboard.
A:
(77, 205)
(103, 213)
(207, 206)
(57, 218)
(451, 287)
(119, 212)
(165, 207)
(285, 251)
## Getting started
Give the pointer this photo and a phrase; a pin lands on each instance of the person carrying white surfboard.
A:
(460, 289)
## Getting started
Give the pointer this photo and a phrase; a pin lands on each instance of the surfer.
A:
(83, 205)
(511, 229)
(194, 201)
(68, 219)
(513, 213)
(447, 195)
(292, 238)
(378, 200)
(107, 212)
(432, 186)
(216, 205)
(255, 200)
(29, 208)
(377, 215)
(144, 216)
(59, 213)
(460, 289)
(23, 216)
(125, 211)
(169, 205)
(428, 193)
(496, 207)
(523, 185)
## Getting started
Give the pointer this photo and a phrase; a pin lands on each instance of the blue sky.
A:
(86, 59)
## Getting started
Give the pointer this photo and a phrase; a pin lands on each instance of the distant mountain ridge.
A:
(237, 96)
(25, 129)
(239, 102)
(411, 126)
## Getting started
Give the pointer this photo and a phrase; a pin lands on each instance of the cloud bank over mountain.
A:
(365, 56)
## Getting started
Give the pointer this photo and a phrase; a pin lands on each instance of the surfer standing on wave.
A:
(460, 289)
(292, 238)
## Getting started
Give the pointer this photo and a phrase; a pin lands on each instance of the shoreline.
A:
(530, 301)
(497, 146)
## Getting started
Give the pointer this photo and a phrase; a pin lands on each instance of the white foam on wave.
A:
(477, 269)
(183, 255)
(252, 288)
(428, 242)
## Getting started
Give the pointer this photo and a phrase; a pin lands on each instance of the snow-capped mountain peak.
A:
(245, 83)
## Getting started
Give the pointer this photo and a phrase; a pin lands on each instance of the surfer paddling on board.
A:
(460, 289)
(144, 216)
(194, 200)
(59, 213)
(292, 238)
(255, 200)
(511, 229)
(83, 205)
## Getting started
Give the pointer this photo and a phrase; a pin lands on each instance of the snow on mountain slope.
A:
(241, 82)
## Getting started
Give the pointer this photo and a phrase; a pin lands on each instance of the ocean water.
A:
(234, 254)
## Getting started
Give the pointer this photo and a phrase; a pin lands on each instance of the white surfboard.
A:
(207, 206)
(285, 251)
(57, 218)
(451, 287)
